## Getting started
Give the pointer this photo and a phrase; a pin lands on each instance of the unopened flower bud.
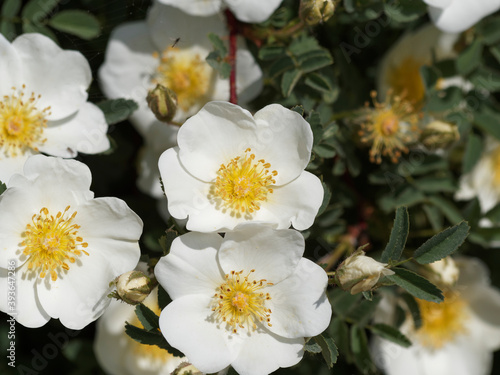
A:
(163, 102)
(439, 134)
(133, 287)
(313, 12)
(359, 273)
(444, 272)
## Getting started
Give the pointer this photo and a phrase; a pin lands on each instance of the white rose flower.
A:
(252, 11)
(359, 273)
(170, 48)
(455, 16)
(118, 354)
(483, 181)
(43, 103)
(457, 336)
(231, 168)
(65, 245)
(400, 67)
(245, 300)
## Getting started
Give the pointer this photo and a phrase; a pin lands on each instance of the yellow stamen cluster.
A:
(442, 322)
(21, 123)
(389, 128)
(243, 184)
(239, 302)
(405, 80)
(186, 74)
(51, 242)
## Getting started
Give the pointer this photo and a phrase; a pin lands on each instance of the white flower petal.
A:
(191, 266)
(85, 132)
(10, 67)
(187, 326)
(249, 81)
(299, 304)
(263, 353)
(219, 132)
(248, 11)
(459, 15)
(60, 77)
(196, 7)
(27, 308)
(168, 23)
(12, 165)
(274, 254)
(285, 141)
(296, 203)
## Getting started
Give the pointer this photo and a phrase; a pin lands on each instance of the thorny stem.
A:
(232, 25)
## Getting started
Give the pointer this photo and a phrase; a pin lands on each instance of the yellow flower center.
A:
(240, 303)
(405, 80)
(21, 123)
(185, 73)
(442, 322)
(153, 352)
(51, 242)
(243, 184)
(389, 128)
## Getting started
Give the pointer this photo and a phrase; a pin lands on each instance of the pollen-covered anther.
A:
(243, 184)
(240, 303)
(22, 123)
(389, 128)
(51, 242)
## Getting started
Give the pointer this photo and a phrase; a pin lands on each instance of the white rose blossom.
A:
(455, 16)
(118, 354)
(66, 245)
(170, 48)
(43, 103)
(247, 300)
(252, 11)
(232, 167)
(457, 336)
(483, 181)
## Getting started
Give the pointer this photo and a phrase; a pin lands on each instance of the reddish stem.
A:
(232, 24)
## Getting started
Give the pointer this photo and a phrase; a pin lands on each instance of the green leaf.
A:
(360, 351)
(328, 349)
(343, 302)
(486, 78)
(8, 30)
(390, 333)
(150, 338)
(37, 10)
(435, 184)
(430, 76)
(399, 234)
(318, 82)
(414, 309)
(442, 244)
(148, 319)
(472, 152)
(289, 80)
(434, 216)
(3, 187)
(449, 210)
(495, 51)
(312, 347)
(117, 110)
(404, 10)
(218, 43)
(10, 8)
(324, 150)
(35, 28)
(280, 66)
(363, 312)
(416, 285)
(340, 333)
(488, 120)
(314, 60)
(489, 29)
(76, 22)
(470, 58)
(272, 52)
(166, 240)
